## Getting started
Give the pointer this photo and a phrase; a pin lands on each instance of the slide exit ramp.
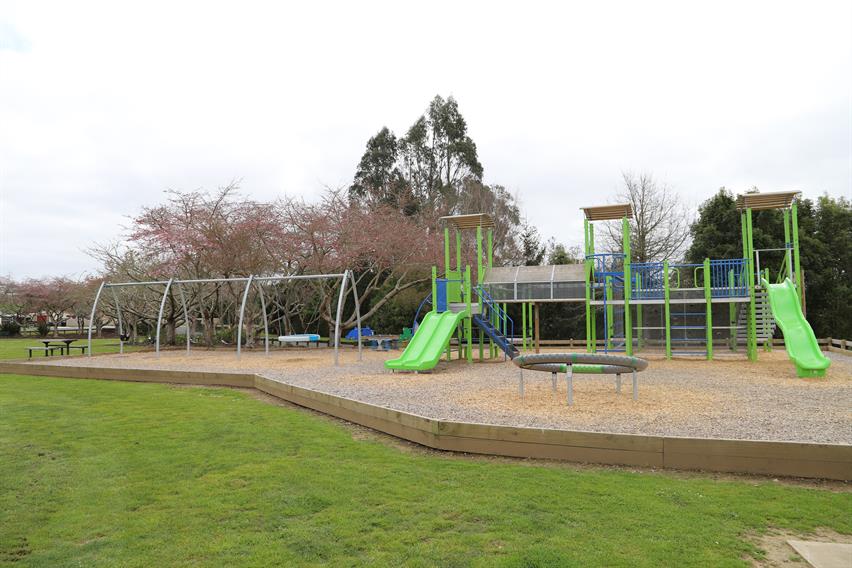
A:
(429, 342)
(799, 338)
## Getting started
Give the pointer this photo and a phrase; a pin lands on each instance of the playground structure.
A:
(682, 309)
(345, 278)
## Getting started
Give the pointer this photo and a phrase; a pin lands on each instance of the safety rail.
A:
(428, 298)
(648, 280)
(493, 306)
(782, 272)
(605, 263)
(728, 278)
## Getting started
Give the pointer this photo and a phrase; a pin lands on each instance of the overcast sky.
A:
(104, 106)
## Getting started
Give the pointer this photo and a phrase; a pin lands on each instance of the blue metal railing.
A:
(608, 264)
(505, 323)
(727, 278)
(647, 281)
(420, 307)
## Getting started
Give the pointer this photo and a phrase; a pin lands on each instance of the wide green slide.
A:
(799, 338)
(429, 342)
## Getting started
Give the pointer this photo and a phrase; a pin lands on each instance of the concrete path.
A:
(824, 554)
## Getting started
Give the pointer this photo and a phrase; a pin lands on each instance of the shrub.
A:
(11, 328)
(43, 329)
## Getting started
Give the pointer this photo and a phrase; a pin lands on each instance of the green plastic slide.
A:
(429, 342)
(799, 338)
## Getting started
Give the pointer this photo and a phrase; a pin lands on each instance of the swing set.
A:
(345, 278)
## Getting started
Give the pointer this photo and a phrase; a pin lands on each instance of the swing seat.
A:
(306, 338)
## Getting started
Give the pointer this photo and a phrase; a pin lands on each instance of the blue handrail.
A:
(502, 316)
(428, 298)
(650, 278)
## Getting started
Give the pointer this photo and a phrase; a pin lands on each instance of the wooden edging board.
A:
(791, 459)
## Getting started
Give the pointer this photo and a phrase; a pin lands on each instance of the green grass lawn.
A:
(108, 473)
(17, 348)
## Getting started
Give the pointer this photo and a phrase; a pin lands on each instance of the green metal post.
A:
(523, 327)
(446, 250)
(708, 299)
(479, 272)
(639, 324)
(752, 308)
(796, 259)
(586, 276)
(434, 289)
(788, 250)
(732, 315)
(668, 313)
(490, 248)
(468, 321)
(458, 251)
(743, 226)
(767, 343)
(591, 239)
(610, 324)
(628, 327)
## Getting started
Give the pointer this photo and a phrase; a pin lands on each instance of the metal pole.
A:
(337, 321)
(752, 308)
(635, 385)
(569, 378)
(92, 317)
(242, 313)
(628, 285)
(667, 308)
(265, 319)
(446, 250)
(797, 263)
(521, 383)
(120, 326)
(185, 316)
(357, 312)
(160, 314)
(708, 307)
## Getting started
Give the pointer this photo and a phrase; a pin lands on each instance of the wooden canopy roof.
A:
(470, 221)
(608, 212)
(774, 200)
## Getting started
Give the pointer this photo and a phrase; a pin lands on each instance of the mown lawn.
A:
(17, 348)
(99, 473)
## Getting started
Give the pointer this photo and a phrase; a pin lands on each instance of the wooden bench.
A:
(47, 350)
(82, 348)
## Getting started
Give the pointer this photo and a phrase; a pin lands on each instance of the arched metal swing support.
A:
(160, 313)
(347, 277)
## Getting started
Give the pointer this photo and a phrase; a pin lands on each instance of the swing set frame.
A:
(346, 277)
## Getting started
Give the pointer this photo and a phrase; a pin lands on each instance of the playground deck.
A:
(732, 399)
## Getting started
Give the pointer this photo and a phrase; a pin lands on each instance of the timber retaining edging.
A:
(777, 458)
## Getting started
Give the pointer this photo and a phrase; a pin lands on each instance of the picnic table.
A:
(63, 344)
(382, 342)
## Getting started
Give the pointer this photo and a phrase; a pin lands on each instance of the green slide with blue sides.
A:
(429, 342)
(799, 338)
